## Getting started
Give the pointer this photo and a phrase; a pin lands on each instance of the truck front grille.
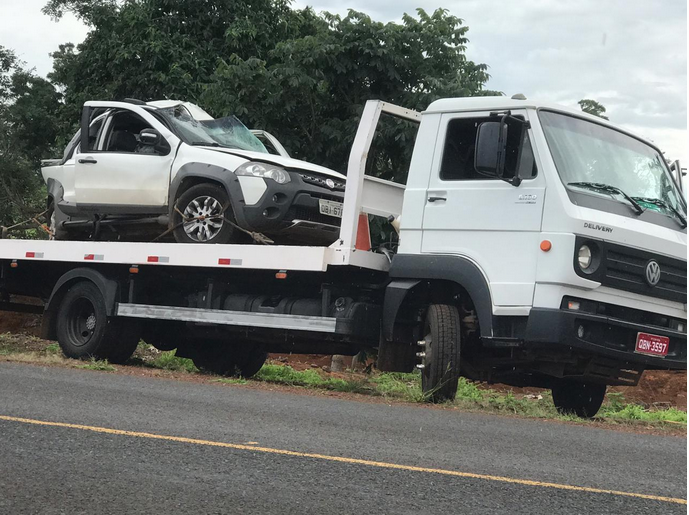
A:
(624, 268)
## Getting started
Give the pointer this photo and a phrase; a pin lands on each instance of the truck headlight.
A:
(585, 257)
(265, 170)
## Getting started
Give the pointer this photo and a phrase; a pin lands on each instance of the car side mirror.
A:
(489, 158)
(150, 137)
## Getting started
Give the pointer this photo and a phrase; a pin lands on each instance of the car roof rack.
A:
(134, 101)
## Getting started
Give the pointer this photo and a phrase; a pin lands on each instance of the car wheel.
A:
(201, 216)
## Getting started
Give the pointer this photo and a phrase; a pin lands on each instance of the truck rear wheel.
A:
(576, 398)
(440, 353)
(85, 331)
(243, 360)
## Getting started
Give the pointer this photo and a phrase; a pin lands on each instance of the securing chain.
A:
(256, 236)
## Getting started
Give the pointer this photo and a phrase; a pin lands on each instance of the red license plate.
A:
(652, 344)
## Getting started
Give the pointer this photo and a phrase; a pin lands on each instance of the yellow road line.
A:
(340, 459)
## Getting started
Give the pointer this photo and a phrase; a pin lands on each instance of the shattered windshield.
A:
(226, 132)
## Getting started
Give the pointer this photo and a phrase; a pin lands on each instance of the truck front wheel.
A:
(440, 353)
(576, 398)
(85, 331)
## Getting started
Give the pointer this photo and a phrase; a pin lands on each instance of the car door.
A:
(485, 219)
(120, 174)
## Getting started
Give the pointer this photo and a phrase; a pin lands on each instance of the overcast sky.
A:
(630, 55)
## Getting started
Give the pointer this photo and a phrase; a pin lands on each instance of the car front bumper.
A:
(290, 209)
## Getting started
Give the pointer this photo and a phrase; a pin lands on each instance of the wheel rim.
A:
(82, 322)
(204, 215)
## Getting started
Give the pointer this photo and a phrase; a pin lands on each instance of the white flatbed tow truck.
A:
(491, 279)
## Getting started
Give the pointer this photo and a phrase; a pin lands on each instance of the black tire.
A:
(440, 371)
(577, 398)
(85, 331)
(217, 196)
(229, 360)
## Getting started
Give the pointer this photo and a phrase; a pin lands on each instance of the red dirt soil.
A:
(656, 388)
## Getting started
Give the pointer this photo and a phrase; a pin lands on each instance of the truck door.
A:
(118, 170)
(485, 219)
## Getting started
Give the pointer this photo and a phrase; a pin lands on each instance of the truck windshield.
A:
(598, 159)
(226, 132)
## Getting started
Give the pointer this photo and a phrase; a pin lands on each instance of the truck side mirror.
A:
(489, 158)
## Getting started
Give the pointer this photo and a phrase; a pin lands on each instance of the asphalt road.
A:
(78, 441)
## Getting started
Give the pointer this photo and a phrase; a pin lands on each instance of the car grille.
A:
(322, 182)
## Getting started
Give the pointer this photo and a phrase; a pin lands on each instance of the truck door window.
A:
(123, 134)
(460, 145)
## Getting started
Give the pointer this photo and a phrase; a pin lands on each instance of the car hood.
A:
(285, 162)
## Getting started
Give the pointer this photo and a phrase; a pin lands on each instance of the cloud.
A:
(33, 35)
(630, 55)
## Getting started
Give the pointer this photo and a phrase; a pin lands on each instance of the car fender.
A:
(211, 173)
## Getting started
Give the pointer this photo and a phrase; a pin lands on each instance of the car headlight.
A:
(585, 257)
(265, 170)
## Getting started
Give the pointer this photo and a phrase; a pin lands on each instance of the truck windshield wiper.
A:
(660, 202)
(607, 188)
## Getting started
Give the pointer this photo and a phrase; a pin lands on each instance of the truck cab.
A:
(564, 234)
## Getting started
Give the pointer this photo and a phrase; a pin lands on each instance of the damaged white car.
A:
(136, 165)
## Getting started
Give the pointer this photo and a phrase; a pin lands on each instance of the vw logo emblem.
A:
(652, 273)
(330, 183)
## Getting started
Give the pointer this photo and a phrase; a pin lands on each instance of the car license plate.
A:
(330, 208)
(652, 344)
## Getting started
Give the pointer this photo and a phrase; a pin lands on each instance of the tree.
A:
(302, 76)
(30, 120)
(310, 91)
(593, 107)
(153, 49)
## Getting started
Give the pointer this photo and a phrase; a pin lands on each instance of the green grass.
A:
(53, 348)
(95, 364)
(170, 361)
(231, 380)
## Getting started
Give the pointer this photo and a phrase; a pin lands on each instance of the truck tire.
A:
(85, 331)
(205, 203)
(229, 360)
(577, 398)
(441, 353)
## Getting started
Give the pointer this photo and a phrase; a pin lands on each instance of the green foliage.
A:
(310, 91)
(593, 107)
(102, 365)
(170, 361)
(302, 76)
(30, 114)
(53, 348)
